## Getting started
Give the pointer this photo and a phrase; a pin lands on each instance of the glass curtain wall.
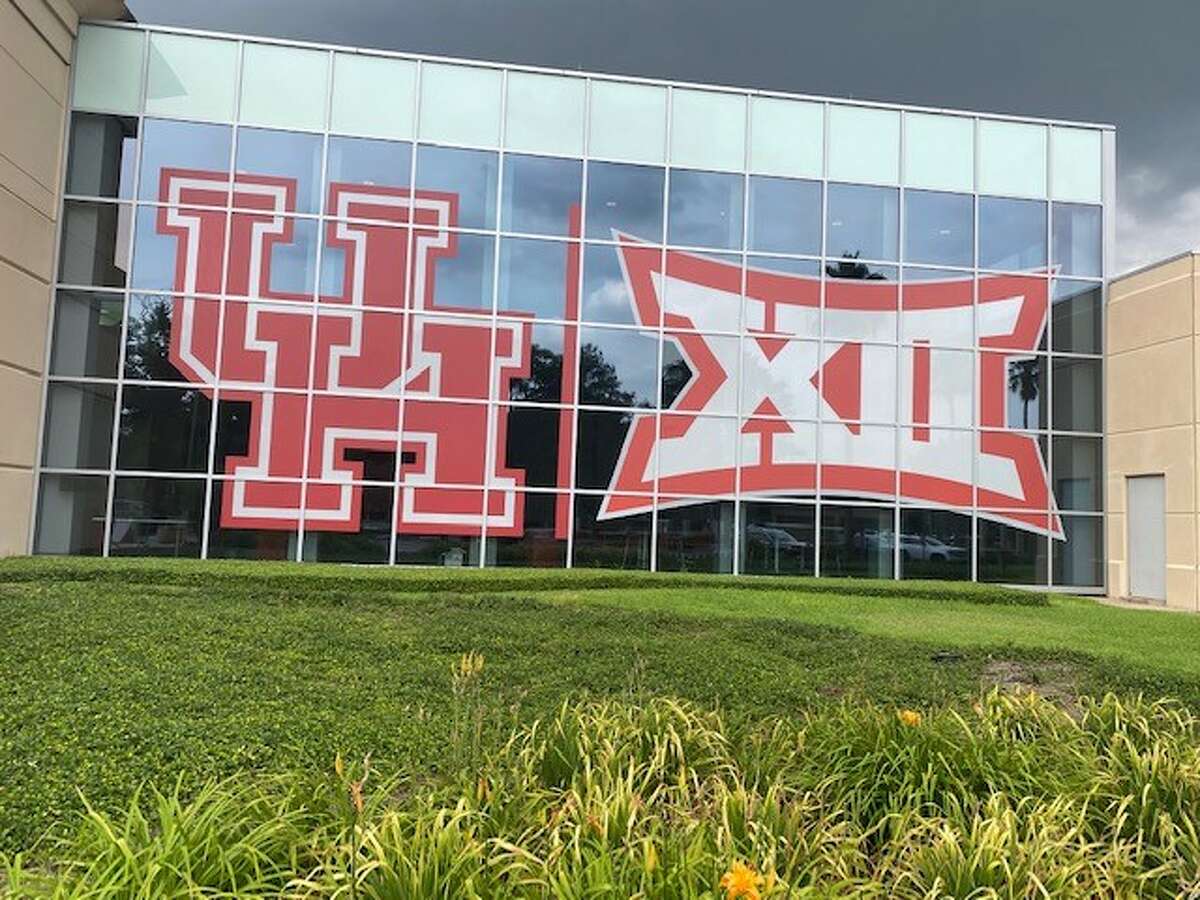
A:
(517, 318)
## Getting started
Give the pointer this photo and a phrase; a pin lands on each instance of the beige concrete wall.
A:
(36, 38)
(1151, 413)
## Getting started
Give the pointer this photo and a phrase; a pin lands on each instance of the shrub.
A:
(663, 799)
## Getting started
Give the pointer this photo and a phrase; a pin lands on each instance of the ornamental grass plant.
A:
(656, 798)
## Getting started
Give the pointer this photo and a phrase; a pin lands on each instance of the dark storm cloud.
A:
(1132, 64)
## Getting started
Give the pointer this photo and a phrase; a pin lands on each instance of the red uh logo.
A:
(380, 337)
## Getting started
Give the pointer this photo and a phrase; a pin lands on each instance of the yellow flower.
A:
(741, 881)
(909, 717)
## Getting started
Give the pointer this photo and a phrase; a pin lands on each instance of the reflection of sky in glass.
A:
(181, 145)
(785, 215)
(294, 264)
(1076, 239)
(468, 174)
(705, 210)
(1012, 234)
(153, 253)
(533, 277)
(863, 221)
(605, 296)
(624, 198)
(539, 193)
(363, 161)
(287, 154)
(634, 358)
(939, 228)
(464, 280)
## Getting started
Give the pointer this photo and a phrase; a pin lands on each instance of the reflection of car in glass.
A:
(775, 538)
(922, 547)
(136, 529)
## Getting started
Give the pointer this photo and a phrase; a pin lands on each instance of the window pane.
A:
(544, 113)
(939, 307)
(1076, 239)
(107, 75)
(157, 517)
(600, 439)
(71, 514)
(284, 154)
(864, 144)
(705, 210)
(538, 544)
(861, 302)
(191, 77)
(708, 130)
(239, 428)
(935, 544)
(544, 382)
(1077, 397)
(1075, 159)
(164, 430)
(769, 374)
(181, 145)
(628, 121)
(460, 105)
(531, 441)
(533, 277)
(677, 374)
(1012, 158)
(1025, 380)
(291, 269)
(611, 542)
(857, 541)
(696, 537)
(87, 334)
(624, 198)
(617, 367)
(939, 152)
(368, 162)
(1079, 560)
(1012, 234)
(1077, 314)
(79, 425)
(785, 215)
(863, 222)
(541, 194)
(359, 83)
(450, 550)
(787, 137)
(777, 539)
(606, 294)
(100, 162)
(251, 543)
(1078, 470)
(939, 229)
(468, 174)
(371, 543)
(800, 312)
(464, 279)
(95, 244)
(148, 336)
(284, 87)
(1010, 555)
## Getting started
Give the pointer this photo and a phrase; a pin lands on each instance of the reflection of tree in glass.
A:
(545, 377)
(149, 341)
(599, 382)
(1023, 378)
(849, 267)
(676, 375)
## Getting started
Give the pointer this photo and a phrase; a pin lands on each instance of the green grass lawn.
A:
(115, 673)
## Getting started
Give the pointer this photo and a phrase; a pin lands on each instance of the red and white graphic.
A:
(380, 367)
(779, 375)
(380, 338)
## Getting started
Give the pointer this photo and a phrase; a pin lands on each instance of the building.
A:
(1151, 419)
(337, 304)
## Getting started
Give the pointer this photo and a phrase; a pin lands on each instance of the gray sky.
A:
(1133, 64)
